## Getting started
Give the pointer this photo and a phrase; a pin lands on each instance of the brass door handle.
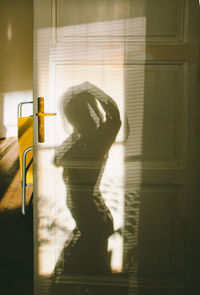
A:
(41, 114)
(45, 114)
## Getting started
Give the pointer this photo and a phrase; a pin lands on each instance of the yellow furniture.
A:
(25, 140)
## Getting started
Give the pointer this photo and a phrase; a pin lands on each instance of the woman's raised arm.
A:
(111, 110)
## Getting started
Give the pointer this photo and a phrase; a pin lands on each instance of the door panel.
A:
(119, 19)
(141, 54)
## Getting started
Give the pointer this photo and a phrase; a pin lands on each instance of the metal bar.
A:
(24, 179)
(19, 108)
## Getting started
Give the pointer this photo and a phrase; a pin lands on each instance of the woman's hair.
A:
(78, 107)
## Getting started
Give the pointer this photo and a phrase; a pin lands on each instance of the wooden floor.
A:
(16, 243)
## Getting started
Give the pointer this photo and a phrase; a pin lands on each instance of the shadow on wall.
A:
(83, 156)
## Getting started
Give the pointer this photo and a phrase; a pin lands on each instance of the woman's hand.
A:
(93, 103)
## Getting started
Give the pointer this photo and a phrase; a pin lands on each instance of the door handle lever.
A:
(41, 114)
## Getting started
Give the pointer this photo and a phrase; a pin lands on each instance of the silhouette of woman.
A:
(83, 156)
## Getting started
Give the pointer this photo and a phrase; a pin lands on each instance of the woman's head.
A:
(78, 113)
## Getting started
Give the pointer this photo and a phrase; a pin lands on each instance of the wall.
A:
(16, 60)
